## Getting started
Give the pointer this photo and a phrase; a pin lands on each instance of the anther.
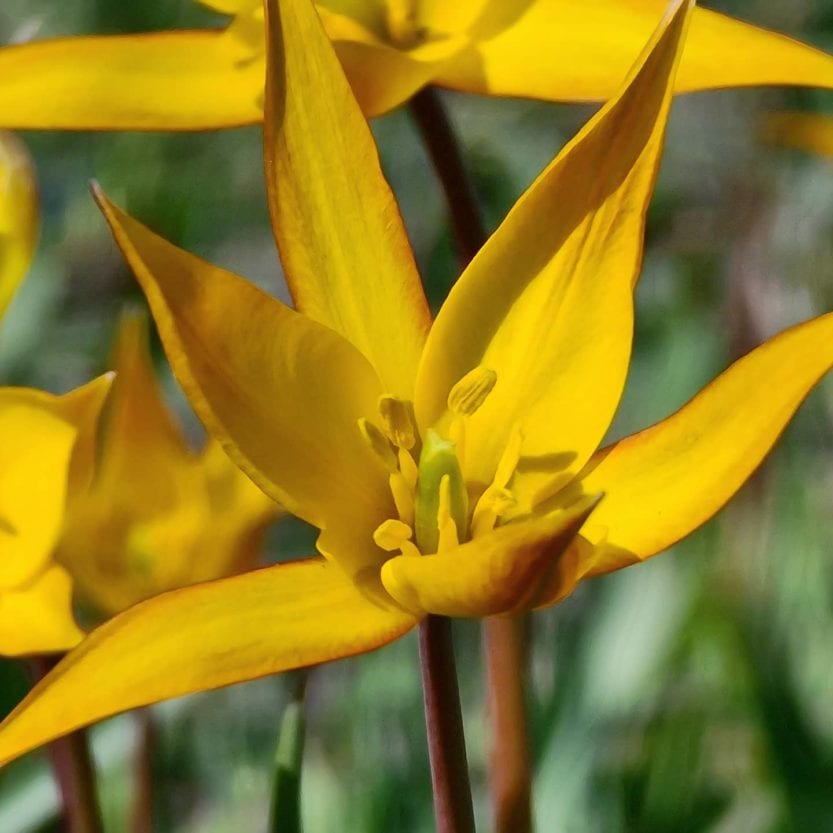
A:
(447, 528)
(398, 420)
(379, 444)
(392, 535)
(471, 391)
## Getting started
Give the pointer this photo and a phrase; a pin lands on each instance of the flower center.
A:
(403, 27)
(432, 498)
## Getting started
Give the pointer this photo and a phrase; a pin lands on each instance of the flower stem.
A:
(73, 769)
(444, 721)
(142, 811)
(444, 151)
(505, 639)
(510, 767)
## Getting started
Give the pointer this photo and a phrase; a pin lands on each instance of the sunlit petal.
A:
(283, 393)
(18, 215)
(547, 303)
(200, 638)
(500, 572)
(342, 241)
(573, 50)
(35, 451)
(37, 618)
(186, 80)
(664, 482)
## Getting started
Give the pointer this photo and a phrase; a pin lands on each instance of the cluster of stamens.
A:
(431, 496)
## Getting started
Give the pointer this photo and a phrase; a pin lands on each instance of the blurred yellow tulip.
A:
(158, 516)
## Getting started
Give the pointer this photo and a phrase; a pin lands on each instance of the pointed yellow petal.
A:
(810, 132)
(201, 638)
(342, 242)
(139, 439)
(572, 50)
(547, 304)
(664, 482)
(503, 571)
(37, 618)
(18, 215)
(35, 450)
(186, 80)
(281, 392)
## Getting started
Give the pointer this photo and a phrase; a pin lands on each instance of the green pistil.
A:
(437, 460)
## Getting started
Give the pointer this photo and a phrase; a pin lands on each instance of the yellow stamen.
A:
(498, 499)
(472, 391)
(408, 468)
(448, 536)
(397, 416)
(403, 496)
(379, 444)
(392, 535)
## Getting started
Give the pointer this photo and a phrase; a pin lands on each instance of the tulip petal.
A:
(19, 218)
(200, 638)
(35, 457)
(281, 392)
(500, 572)
(182, 80)
(578, 51)
(547, 303)
(139, 438)
(342, 242)
(37, 618)
(664, 482)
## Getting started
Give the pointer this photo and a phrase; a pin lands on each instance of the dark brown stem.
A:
(142, 818)
(510, 767)
(74, 772)
(444, 151)
(505, 639)
(444, 721)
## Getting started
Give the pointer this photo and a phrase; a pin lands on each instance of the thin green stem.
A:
(444, 723)
(285, 812)
(505, 639)
(74, 771)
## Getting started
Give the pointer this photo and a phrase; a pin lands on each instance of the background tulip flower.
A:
(45, 444)
(18, 215)
(562, 50)
(157, 516)
(467, 446)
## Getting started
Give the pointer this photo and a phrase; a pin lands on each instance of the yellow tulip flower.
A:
(45, 454)
(157, 516)
(563, 50)
(18, 215)
(451, 467)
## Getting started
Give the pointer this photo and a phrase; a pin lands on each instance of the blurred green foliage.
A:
(689, 694)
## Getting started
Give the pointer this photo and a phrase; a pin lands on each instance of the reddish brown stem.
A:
(73, 769)
(510, 767)
(444, 150)
(142, 815)
(505, 639)
(444, 723)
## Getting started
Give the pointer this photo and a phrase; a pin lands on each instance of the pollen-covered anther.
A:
(392, 535)
(379, 444)
(494, 503)
(398, 420)
(471, 391)
(449, 537)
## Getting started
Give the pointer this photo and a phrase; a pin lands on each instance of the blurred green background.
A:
(693, 693)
